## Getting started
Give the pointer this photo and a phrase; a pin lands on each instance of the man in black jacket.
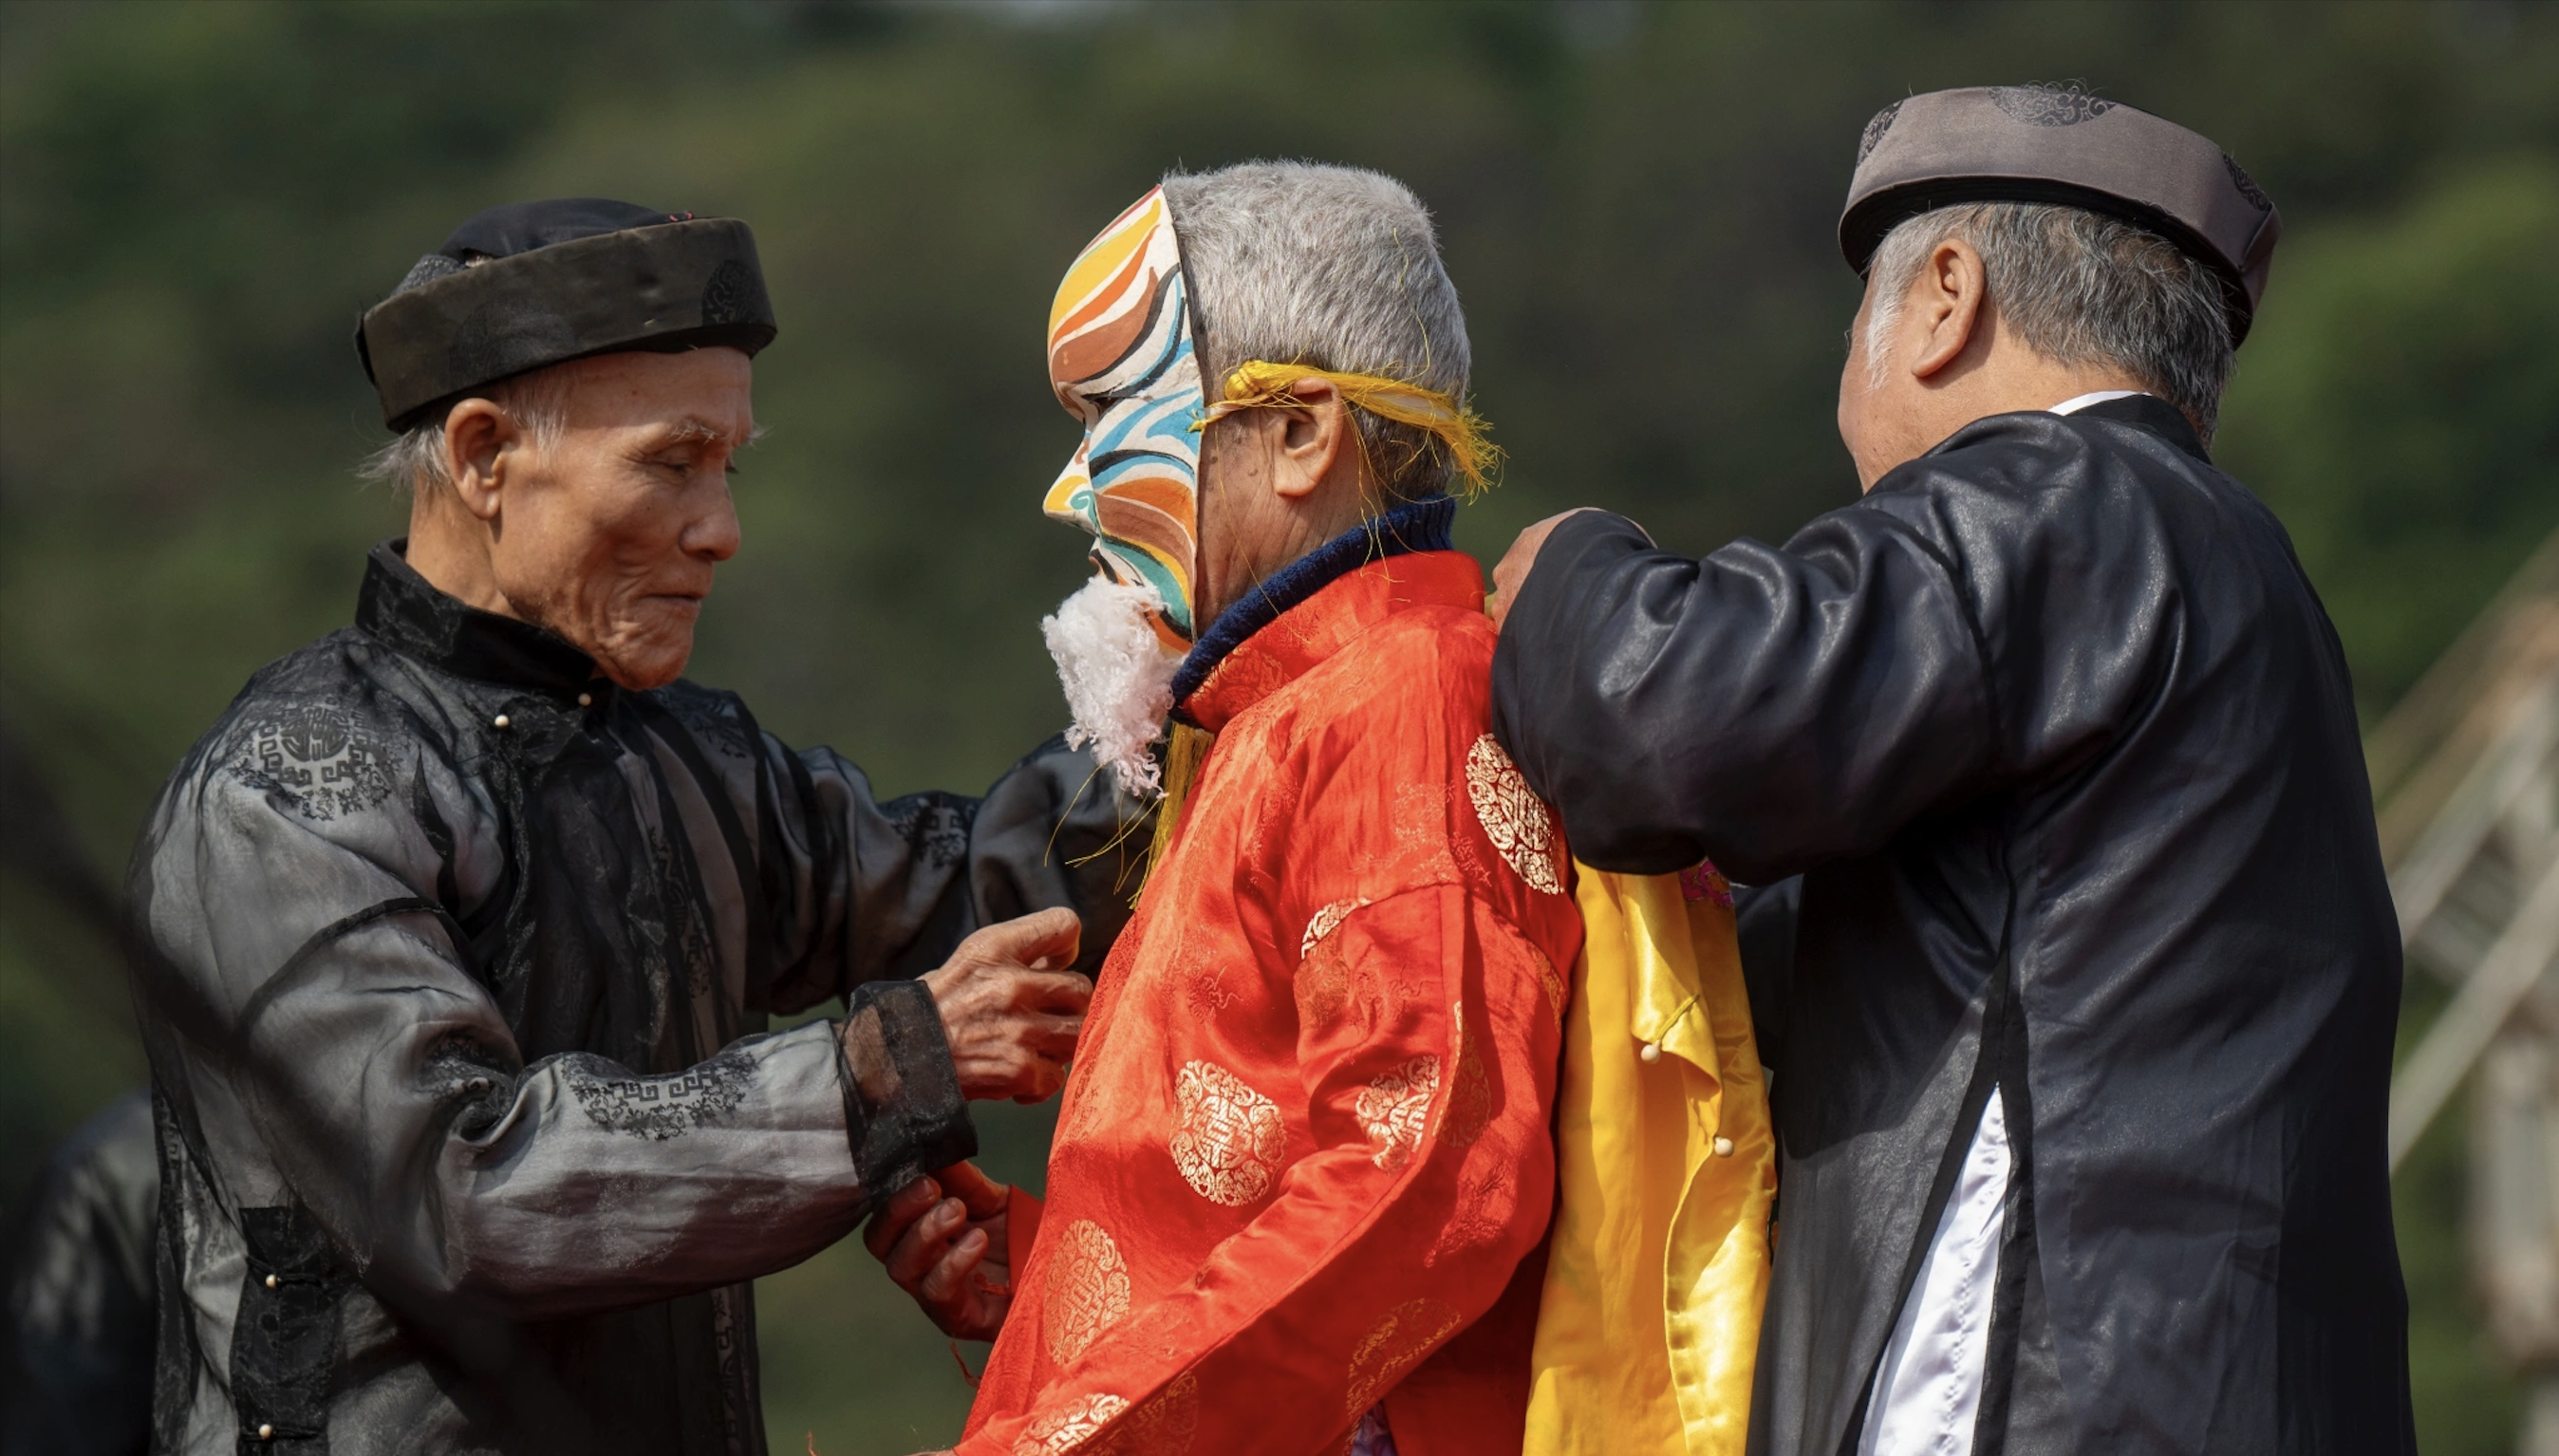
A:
(457, 935)
(2085, 1037)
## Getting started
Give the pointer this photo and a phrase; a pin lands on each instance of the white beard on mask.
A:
(1119, 680)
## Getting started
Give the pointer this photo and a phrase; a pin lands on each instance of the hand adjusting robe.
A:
(2061, 743)
(452, 962)
(1304, 1149)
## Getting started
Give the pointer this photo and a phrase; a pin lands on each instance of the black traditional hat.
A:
(529, 284)
(2033, 144)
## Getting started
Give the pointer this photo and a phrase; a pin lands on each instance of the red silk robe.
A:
(1304, 1160)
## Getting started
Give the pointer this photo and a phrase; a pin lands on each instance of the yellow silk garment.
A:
(1648, 1327)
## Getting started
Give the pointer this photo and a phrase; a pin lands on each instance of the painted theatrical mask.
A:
(1121, 360)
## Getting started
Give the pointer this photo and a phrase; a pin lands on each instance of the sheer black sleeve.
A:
(867, 890)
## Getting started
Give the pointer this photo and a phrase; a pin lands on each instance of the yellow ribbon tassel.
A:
(1261, 384)
(1184, 752)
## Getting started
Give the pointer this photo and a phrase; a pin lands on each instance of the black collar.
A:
(1417, 526)
(2152, 413)
(402, 610)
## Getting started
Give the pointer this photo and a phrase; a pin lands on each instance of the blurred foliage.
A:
(197, 199)
(2400, 409)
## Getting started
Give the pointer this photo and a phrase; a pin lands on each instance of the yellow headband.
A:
(1261, 384)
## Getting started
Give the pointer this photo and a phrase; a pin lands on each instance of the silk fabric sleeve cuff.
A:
(903, 1110)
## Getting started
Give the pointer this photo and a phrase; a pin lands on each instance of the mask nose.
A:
(1070, 496)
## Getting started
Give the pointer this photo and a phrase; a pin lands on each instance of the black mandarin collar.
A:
(2152, 413)
(402, 610)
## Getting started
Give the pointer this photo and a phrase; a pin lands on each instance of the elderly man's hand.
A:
(1012, 1014)
(949, 1252)
(1512, 573)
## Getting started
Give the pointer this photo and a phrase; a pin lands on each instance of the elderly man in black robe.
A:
(2085, 975)
(456, 936)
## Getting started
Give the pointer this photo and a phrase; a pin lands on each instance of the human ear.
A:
(1310, 439)
(479, 438)
(1948, 307)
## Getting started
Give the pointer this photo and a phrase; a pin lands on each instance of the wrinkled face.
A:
(1119, 358)
(609, 535)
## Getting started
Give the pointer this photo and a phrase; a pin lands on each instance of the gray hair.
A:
(1332, 267)
(2078, 287)
(415, 460)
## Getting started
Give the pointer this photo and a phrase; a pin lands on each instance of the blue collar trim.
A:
(1418, 526)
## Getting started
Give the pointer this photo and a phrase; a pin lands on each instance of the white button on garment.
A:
(266, 1433)
(272, 1281)
(1652, 1052)
(1724, 1147)
(586, 700)
(500, 720)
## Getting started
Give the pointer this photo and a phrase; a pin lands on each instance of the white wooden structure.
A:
(2466, 771)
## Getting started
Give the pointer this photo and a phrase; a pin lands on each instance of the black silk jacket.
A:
(2060, 742)
(453, 962)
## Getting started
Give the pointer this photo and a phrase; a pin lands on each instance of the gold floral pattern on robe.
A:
(1470, 1102)
(1551, 986)
(1069, 1429)
(1325, 921)
(1231, 1140)
(1086, 1290)
(1396, 1344)
(1469, 1231)
(1323, 986)
(1162, 1426)
(1515, 819)
(1106, 1426)
(1470, 1095)
(1395, 1110)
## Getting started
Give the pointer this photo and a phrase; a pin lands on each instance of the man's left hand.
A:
(1009, 1011)
(1512, 573)
(950, 1252)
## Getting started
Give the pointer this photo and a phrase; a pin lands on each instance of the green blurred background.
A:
(1636, 199)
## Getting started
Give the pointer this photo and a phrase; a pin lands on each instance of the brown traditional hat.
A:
(2033, 144)
(526, 285)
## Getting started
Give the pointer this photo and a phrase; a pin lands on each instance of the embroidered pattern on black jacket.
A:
(713, 716)
(318, 756)
(933, 824)
(658, 1108)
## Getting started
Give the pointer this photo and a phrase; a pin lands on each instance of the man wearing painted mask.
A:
(456, 936)
(2085, 1039)
(1304, 1154)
